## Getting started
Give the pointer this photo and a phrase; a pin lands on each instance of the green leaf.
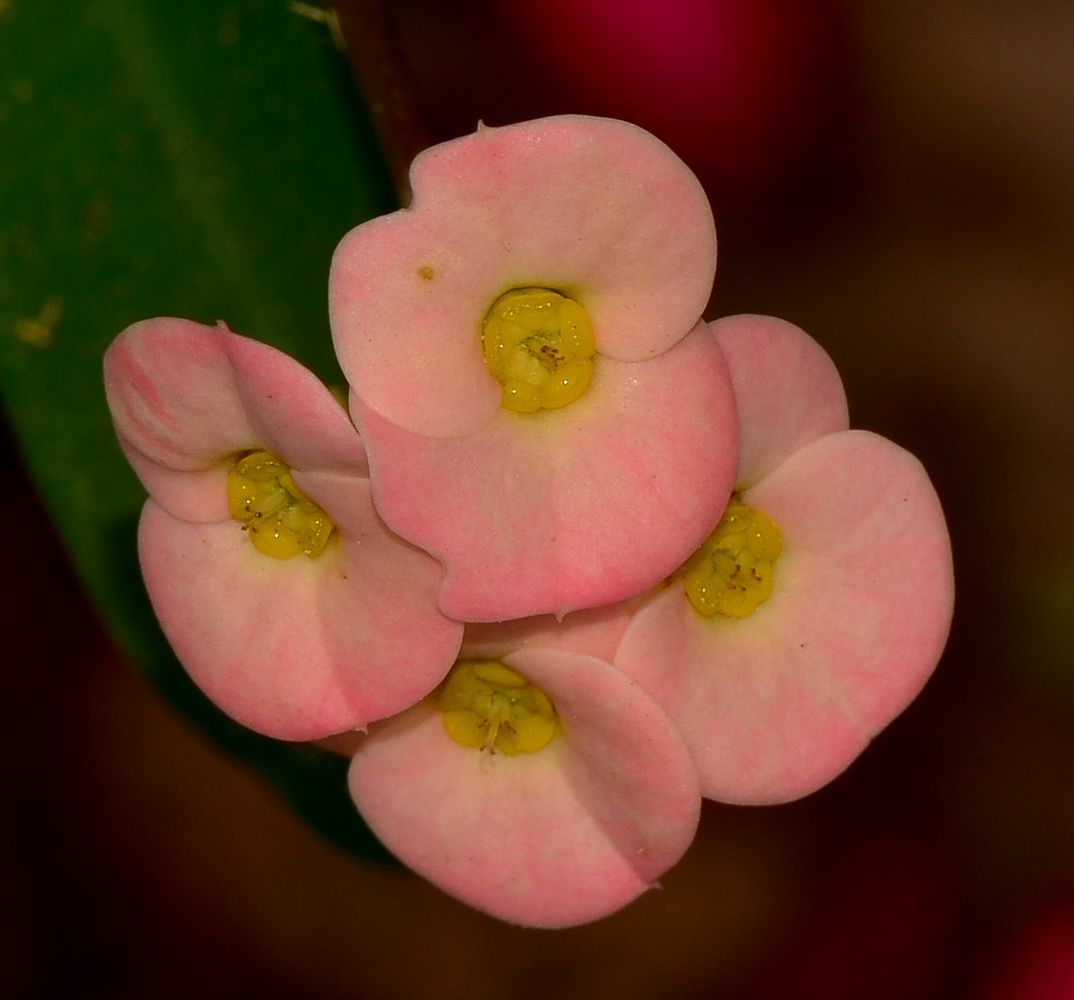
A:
(190, 158)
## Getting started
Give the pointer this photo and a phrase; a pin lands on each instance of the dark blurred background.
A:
(919, 224)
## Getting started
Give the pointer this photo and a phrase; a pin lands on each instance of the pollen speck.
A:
(37, 332)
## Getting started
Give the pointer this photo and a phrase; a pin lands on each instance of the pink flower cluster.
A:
(491, 601)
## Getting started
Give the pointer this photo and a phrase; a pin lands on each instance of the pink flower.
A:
(550, 511)
(299, 647)
(776, 703)
(567, 833)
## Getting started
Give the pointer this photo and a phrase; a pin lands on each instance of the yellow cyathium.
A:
(731, 574)
(539, 346)
(487, 705)
(279, 518)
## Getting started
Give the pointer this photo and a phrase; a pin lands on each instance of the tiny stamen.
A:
(731, 574)
(278, 517)
(539, 345)
(487, 705)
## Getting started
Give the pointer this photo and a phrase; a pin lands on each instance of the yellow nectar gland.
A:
(486, 705)
(280, 519)
(731, 574)
(539, 346)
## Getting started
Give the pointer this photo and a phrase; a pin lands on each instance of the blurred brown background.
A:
(932, 253)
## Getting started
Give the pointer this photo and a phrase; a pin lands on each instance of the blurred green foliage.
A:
(193, 158)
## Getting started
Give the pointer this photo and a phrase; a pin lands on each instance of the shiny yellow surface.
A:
(731, 574)
(539, 346)
(279, 518)
(487, 705)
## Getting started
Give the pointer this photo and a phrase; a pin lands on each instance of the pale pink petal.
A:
(299, 649)
(293, 414)
(173, 395)
(190, 495)
(627, 762)
(777, 704)
(551, 839)
(787, 388)
(185, 398)
(409, 344)
(594, 208)
(567, 509)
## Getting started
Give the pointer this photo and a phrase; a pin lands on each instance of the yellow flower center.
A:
(731, 574)
(539, 346)
(486, 705)
(279, 518)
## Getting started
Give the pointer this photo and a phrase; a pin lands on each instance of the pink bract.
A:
(597, 209)
(598, 500)
(554, 838)
(776, 704)
(567, 510)
(298, 648)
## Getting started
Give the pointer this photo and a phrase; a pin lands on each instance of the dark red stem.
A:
(371, 45)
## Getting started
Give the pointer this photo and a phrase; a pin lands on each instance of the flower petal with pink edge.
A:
(186, 397)
(297, 648)
(595, 505)
(596, 209)
(184, 394)
(787, 389)
(776, 704)
(554, 838)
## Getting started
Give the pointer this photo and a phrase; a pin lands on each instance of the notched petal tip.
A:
(297, 647)
(172, 393)
(597, 209)
(187, 398)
